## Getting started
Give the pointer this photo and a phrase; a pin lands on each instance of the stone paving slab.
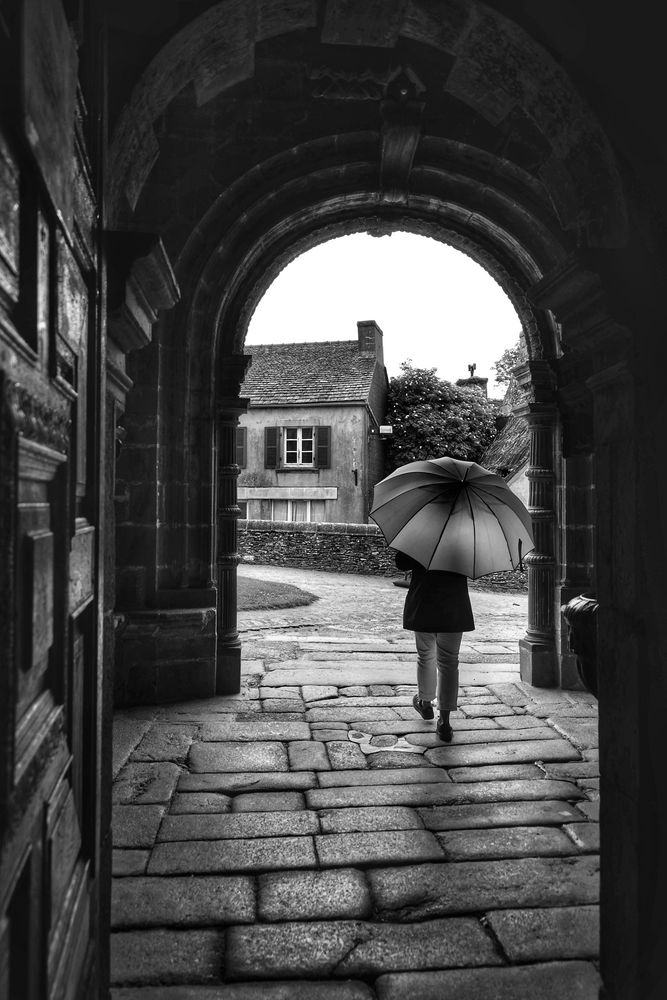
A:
(573, 769)
(520, 722)
(515, 842)
(246, 781)
(136, 826)
(377, 848)
(439, 793)
(552, 981)
(292, 708)
(253, 732)
(408, 727)
(182, 901)
(419, 892)
(325, 735)
(338, 675)
(165, 956)
(500, 814)
(390, 776)
(389, 759)
(495, 772)
(591, 809)
(369, 818)
(238, 824)
(268, 802)
(342, 948)
(293, 989)
(365, 701)
(583, 734)
(290, 989)
(287, 693)
(351, 715)
(585, 835)
(344, 755)
(263, 756)
(518, 752)
(487, 711)
(468, 736)
(145, 783)
(129, 861)
(318, 692)
(166, 741)
(313, 895)
(242, 855)
(200, 802)
(308, 755)
(546, 934)
(129, 727)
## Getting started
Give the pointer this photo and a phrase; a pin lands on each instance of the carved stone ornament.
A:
(45, 422)
(337, 85)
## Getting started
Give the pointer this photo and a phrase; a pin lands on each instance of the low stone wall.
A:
(339, 548)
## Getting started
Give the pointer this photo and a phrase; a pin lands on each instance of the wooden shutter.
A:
(270, 447)
(241, 450)
(323, 447)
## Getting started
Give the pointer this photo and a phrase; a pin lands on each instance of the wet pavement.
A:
(312, 838)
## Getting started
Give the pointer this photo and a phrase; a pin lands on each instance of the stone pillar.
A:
(537, 651)
(229, 407)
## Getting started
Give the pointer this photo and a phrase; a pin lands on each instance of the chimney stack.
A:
(370, 339)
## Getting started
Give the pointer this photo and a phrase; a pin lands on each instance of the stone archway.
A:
(303, 131)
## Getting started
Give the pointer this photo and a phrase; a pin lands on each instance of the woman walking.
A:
(437, 609)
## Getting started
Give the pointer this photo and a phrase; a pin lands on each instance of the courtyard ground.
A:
(312, 838)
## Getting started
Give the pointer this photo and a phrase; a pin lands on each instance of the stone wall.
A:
(340, 548)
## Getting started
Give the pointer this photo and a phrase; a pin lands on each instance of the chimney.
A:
(370, 339)
(474, 382)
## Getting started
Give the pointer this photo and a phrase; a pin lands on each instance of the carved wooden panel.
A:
(49, 95)
(9, 221)
(72, 344)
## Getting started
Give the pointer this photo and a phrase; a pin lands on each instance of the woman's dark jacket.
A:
(436, 601)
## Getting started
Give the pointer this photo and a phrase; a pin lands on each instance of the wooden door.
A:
(53, 818)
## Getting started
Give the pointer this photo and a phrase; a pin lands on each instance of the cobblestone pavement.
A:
(312, 838)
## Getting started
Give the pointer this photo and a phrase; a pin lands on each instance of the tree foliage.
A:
(508, 360)
(431, 417)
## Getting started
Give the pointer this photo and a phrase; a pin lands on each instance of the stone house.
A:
(310, 446)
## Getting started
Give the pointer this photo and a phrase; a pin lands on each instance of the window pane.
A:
(307, 445)
(317, 511)
(291, 445)
(299, 510)
(279, 510)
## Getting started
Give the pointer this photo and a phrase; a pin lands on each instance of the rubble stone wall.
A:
(340, 548)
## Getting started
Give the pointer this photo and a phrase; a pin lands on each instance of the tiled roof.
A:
(323, 372)
(509, 451)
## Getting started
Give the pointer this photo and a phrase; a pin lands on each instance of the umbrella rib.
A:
(500, 525)
(426, 502)
(451, 511)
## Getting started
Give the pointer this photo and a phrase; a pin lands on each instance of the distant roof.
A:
(510, 450)
(323, 372)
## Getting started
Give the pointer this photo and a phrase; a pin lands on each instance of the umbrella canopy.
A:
(453, 515)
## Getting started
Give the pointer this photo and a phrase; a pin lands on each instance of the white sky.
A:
(434, 304)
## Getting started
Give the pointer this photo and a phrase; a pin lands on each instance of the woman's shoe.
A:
(425, 708)
(444, 731)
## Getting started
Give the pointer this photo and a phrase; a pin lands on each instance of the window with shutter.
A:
(241, 449)
(270, 447)
(323, 447)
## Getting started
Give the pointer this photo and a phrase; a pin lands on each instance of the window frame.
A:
(298, 430)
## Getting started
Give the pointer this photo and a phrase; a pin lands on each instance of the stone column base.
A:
(537, 663)
(228, 668)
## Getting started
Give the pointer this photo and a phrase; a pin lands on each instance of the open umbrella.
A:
(453, 515)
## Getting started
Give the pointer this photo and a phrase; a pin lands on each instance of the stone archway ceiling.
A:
(249, 81)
